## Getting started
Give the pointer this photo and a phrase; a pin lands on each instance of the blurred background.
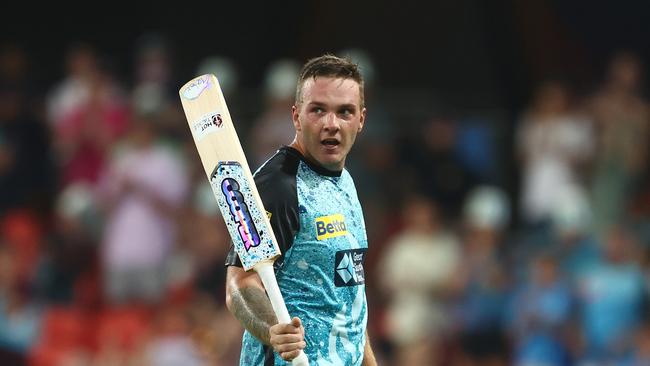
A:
(503, 173)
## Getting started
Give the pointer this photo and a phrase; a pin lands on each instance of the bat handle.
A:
(301, 360)
(266, 273)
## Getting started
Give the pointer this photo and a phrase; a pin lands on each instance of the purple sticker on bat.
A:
(240, 213)
(196, 87)
(247, 222)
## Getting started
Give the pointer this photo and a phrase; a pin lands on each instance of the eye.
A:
(317, 110)
(346, 112)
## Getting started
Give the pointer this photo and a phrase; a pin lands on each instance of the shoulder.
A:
(278, 173)
(348, 182)
(345, 174)
(284, 161)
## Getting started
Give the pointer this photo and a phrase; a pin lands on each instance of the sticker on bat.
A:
(240, 213)
(196, 87)
(207, 124)
(247, 223)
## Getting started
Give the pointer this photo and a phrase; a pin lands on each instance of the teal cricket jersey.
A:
(317, 219)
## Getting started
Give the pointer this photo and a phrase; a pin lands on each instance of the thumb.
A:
(296, 322)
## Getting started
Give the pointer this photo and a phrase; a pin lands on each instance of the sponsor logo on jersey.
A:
(330, 226)
(349, 267)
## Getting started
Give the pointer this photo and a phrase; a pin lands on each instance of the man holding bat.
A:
(314, 211)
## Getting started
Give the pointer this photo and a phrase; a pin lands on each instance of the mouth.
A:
(330, 143)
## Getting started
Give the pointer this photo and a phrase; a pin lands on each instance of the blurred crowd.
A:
(112, 247)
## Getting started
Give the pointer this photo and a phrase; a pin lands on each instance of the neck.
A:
(313, 162)
(296, 145)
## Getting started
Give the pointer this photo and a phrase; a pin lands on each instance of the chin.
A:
(331, 164)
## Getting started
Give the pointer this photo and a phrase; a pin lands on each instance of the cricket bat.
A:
(232, 183)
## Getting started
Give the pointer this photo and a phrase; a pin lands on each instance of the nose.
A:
(331, 122)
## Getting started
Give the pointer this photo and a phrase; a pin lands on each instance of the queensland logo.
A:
(330, 226)
(349, 267)
(209, 123)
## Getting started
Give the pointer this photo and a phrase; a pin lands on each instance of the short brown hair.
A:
(330, 66)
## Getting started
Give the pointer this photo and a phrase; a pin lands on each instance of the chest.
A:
(330, 213)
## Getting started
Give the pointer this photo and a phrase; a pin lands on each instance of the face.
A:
(327, 120)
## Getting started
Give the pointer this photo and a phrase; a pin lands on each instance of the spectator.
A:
(142, 190)
(226, 72)
(274, 128)
(573, 240)
(621, 115)
(432, 166)
(71, 246)
(155, 92)
(612, 297)
(541, 312)
(171, 344)
(20, 314)
(216, 333)
(27, 171)
(85, 136)
(206, 238)
(481, 283)
(554, 145)
(416, 270)
(69, 94)
(477, 148)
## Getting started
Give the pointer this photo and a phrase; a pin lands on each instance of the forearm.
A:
(252, 308)
(368, 354)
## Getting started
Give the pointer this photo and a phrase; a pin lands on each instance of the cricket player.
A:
(313, 207)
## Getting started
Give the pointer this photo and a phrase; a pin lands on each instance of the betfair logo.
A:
(330, 226)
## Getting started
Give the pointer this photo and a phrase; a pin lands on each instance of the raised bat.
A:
(233, 186)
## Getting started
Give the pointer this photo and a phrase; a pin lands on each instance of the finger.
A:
(286, 339)
(296, 322)
(288, 356)
(285, 329)
(289, 347)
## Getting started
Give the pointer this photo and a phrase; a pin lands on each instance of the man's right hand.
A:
(288, 339)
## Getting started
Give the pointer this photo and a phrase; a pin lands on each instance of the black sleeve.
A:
(276, 184)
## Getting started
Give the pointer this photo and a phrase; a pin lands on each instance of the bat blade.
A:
(226, 167)
(233, 186)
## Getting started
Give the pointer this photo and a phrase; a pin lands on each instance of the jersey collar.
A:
(315, 167)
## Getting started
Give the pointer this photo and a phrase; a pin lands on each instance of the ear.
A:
(362, 119)
(295, 116)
